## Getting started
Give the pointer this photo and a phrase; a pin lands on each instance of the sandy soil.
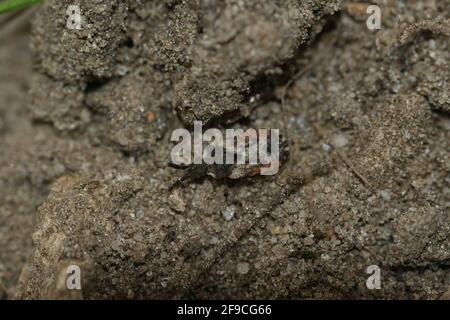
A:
(85, 124)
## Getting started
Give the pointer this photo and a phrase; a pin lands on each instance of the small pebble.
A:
(326, 147)
(340, 140)
(386, 195)
(164, 282)
(177, 203)
(122, 70)
(276, 230)
(309, 241)
(228, 213)
(243, 268)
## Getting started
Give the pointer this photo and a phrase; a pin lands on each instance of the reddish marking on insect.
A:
(151, 116)
(257, 171)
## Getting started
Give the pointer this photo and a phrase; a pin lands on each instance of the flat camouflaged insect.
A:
(234, 171)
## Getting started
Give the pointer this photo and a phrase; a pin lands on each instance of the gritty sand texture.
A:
(85, 123)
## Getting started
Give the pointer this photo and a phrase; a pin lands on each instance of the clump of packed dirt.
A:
(85, 162)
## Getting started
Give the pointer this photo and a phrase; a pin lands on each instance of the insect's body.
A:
(233, 171)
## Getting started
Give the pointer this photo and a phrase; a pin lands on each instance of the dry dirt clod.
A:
(84, 164)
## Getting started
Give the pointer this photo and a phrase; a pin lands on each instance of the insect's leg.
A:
(195, 172)
(192, 173)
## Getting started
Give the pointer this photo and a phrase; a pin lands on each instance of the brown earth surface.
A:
(85, 124)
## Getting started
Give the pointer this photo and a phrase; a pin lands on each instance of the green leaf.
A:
(11, 5)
